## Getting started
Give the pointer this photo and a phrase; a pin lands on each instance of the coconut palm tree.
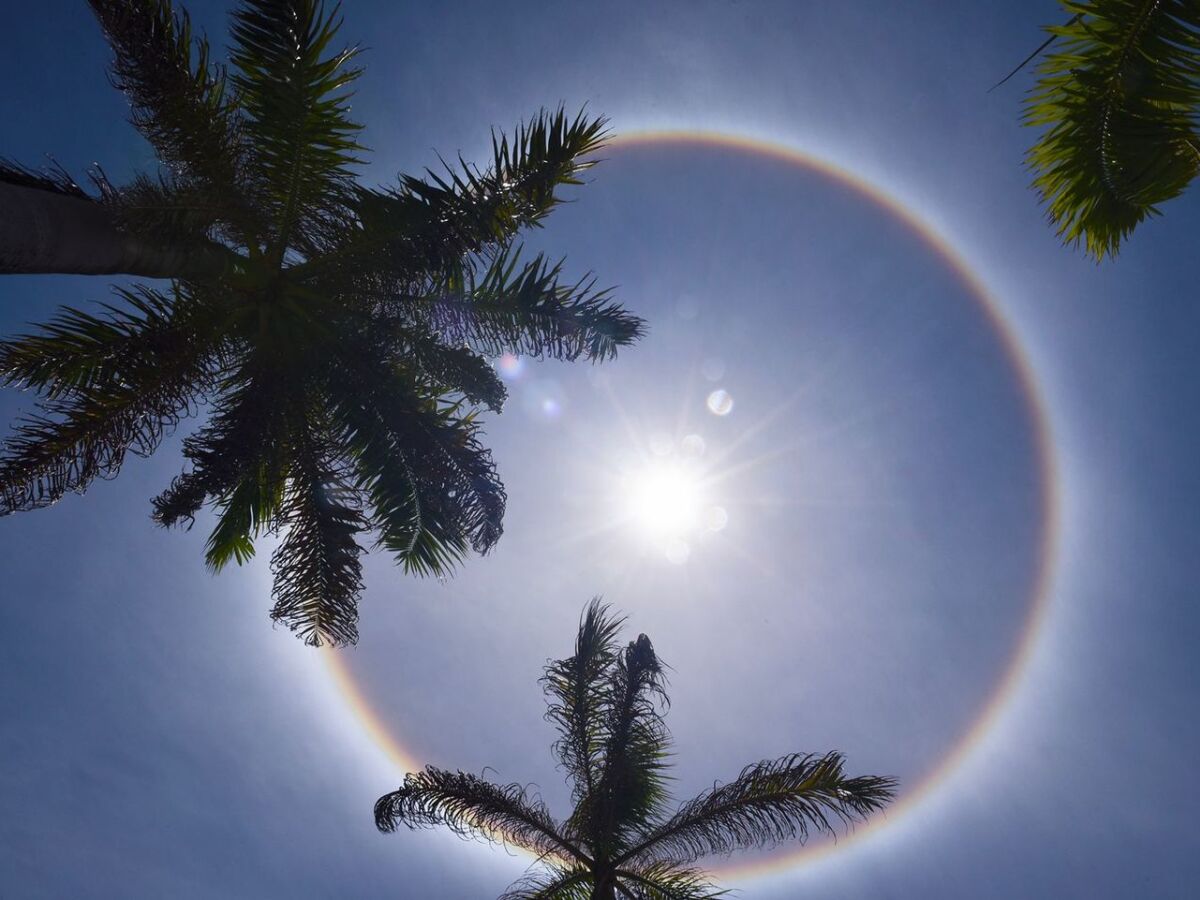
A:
(1119, 99)
(337, 334)
(621, 840)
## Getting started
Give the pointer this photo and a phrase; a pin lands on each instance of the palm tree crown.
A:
(337, 334)
(621, 840)
(1119, 99)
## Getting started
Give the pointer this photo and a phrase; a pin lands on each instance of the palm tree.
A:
(336, 334)
(1120, 102)
(621, 840)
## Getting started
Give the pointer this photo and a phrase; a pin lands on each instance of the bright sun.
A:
(665, 500)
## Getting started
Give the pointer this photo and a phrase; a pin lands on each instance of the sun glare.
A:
(666, 501)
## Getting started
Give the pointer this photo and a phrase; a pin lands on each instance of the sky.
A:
(940, 508)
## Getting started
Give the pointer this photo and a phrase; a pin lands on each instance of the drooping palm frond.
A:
(666, 881)
(769, 802)
(432, 486)
(110, 385)
(578, 693)
(318, 575)
(451, 369)
(473, 807)
(1119, 99)
(293, 89)
(557, 882)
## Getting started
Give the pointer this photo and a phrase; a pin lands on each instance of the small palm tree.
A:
(1119, 99)
(337, 334)
(621, 840)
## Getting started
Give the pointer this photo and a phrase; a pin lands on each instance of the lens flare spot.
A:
(677, 551)
(510, 366)
(715, 518)
(720, 403)
(692, 446)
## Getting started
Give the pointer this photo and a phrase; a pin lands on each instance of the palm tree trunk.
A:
(46, 232)
(604, 889)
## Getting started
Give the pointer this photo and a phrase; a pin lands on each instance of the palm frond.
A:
(666, 881)
(577, 692)
(432, 485)
(76, 350)
(239, 459)
(110, 386)
(454, 370)
(525, 308)
(293, 90)
(431, 224)
(630, 791)
(179, 99)
(769, 802)
(318, 575)
(474, 808)
(556, 883)
(1119, 100)
(54, 179)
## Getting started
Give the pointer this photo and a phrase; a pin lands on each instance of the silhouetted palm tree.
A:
(1120, 101)
(621, 840)
(336, 333)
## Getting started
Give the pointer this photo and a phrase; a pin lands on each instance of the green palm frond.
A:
(454, 370)
(525, 308)
(769, 802)
(318, 575)
(179, 100)
(434, 222)
(77, 350)
(473, 807)
(578, 693)
(556, 883)
(293, 89)
(464, 210)
(110, 385)
(432, 486)
(1119, 99)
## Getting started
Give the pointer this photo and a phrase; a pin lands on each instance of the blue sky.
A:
(877, 471)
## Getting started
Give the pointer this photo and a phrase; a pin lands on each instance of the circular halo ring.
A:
(1042, 576)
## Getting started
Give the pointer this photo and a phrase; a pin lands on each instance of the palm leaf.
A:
(179, 100)
(110, 386)
(1119, 99)
(473, 807)
(433, 486)
(556, 883)
(769, 802)
(433, 223)
(577, 691)
(630, 790)
(293, 90)
(665, 881)
(318, 575)
(525, 308)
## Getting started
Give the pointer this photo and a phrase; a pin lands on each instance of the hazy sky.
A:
(872, 524)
